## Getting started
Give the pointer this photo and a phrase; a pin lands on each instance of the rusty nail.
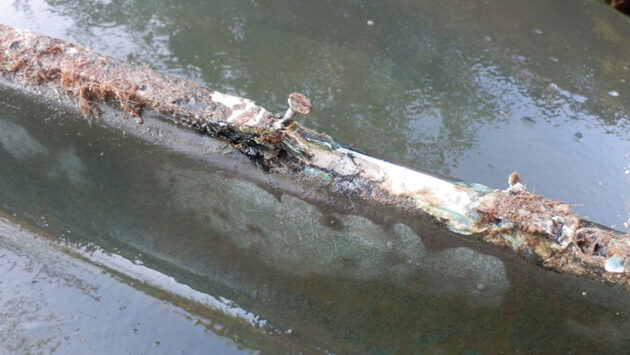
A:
(298, 105)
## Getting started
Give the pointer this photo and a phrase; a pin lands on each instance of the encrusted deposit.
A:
(553, 234)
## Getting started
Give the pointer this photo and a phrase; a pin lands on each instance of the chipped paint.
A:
(449, 202)
(240, 107)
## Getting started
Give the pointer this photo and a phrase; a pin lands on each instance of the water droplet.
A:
(613, 93)
(538, 31)
(370, 23)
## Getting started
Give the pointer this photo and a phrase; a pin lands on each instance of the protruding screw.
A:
(514, 179)
(298, 105)
(515, 184)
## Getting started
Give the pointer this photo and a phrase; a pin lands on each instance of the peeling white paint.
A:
(227, 100)
(231, 102)
(438, 197)
(339, 163)
(258, 118)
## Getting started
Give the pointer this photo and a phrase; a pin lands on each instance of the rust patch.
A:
(239, 106)
(428, 197)
(246, 116)
(531, 213)
(94, 80)
(556, 235)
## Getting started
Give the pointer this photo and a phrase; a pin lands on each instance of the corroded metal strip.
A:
(543, 230)
(92, 78)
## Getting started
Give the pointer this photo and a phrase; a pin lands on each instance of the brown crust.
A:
(553, 234)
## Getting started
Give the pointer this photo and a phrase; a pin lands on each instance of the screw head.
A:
(514, 179)
(299, 104)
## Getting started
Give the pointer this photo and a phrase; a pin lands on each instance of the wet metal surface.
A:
(538, 87)
(427, 83)
(54, 302)
(320, 278)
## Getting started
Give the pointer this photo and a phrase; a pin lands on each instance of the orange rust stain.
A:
(428, 197)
